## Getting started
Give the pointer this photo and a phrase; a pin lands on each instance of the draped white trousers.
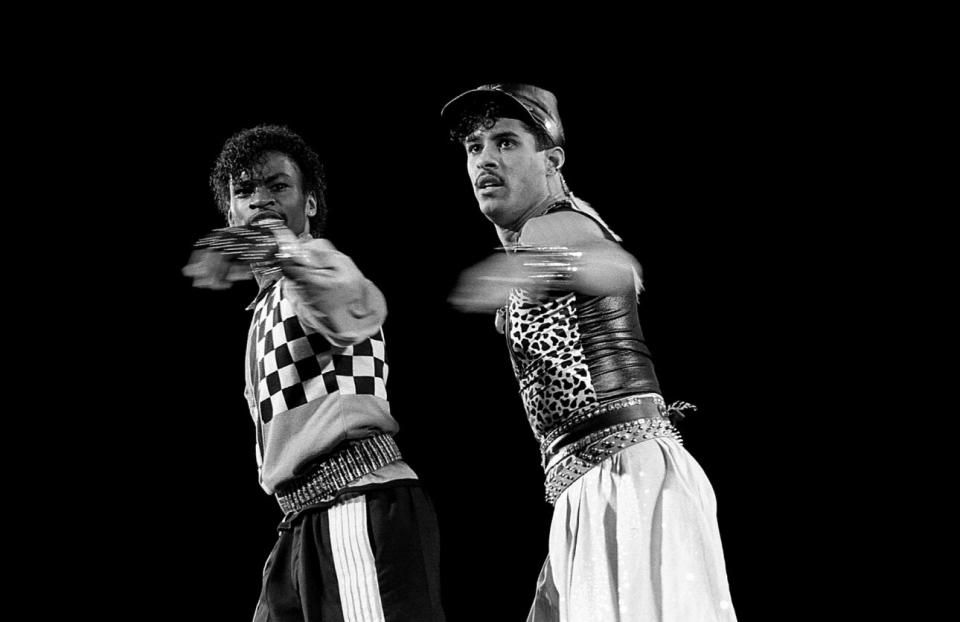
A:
(636, 539)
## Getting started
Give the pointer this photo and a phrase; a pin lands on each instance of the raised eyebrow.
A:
(274, 177)
(475, 138)
(266, 180)
(504, 134)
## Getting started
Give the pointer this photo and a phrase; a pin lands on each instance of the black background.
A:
(711, 167)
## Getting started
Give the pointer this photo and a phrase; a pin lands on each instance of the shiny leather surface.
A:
(613, 344)
(574, 353)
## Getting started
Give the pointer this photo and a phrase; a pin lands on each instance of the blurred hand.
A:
(321, 275)
(484, 287)
(213, 270)
(597, 269)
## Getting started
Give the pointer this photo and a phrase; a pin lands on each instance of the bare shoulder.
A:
(563, 228)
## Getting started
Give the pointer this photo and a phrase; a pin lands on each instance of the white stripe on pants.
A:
(354, 561)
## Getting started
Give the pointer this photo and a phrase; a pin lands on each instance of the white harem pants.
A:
(636, 539)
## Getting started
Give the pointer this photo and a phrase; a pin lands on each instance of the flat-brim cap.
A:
(531, 103)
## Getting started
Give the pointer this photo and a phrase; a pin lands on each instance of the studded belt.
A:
(330, 476)
(583, 447)
(630, 408)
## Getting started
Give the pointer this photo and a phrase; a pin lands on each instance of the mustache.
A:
(484, 177)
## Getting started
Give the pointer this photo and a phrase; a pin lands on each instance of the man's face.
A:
(507, 172)
(273, 189)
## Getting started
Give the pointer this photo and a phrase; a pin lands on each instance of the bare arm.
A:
(603, 268)
(593, 265)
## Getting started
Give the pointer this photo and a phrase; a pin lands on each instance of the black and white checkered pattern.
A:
(296, 364)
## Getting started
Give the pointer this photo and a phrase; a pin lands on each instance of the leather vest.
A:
(573, 353)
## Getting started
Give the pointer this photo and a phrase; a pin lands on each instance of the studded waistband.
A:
(327, 478)
(598, 417)
(575, 459)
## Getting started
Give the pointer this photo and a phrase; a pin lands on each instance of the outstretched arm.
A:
(585, 262)
(330, 293)
(327, 290)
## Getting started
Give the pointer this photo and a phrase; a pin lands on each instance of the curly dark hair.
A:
(484, 116)
(247, 149)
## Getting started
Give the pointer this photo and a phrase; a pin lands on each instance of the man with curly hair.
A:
(359, 539)
(634, 533)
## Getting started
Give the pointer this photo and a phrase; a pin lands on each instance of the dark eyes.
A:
(503, 143)
(245, 191)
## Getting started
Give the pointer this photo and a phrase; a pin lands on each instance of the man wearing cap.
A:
(634, 534)
(359, 536)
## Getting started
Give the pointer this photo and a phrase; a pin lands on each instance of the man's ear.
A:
(555, 159)
(311, 207)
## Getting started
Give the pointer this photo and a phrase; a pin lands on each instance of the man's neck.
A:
(509, 234)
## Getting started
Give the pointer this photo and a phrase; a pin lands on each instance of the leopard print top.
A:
(572, 353)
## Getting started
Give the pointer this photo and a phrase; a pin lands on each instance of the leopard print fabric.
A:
(548, 360)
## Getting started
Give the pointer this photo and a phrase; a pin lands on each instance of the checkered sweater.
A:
(307, 395)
